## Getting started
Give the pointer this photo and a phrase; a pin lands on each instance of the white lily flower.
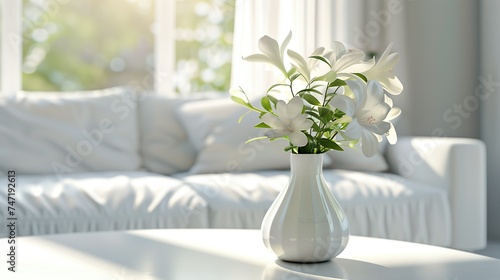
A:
(305, 67)
(271, 52)
(382, 71)
(346, 61)
(368, 111)
(289, 121)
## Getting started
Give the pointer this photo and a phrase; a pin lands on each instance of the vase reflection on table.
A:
(306, 223)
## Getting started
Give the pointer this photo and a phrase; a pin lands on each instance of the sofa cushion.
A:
(164, 144)
(376, 204)
(61, 133)
(354, 159)
(214, 131)
(102, 201)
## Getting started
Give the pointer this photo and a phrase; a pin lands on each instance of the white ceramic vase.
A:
(305, 223)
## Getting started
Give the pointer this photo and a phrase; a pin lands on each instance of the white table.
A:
(228, 254)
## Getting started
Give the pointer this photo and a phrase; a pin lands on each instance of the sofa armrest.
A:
(457, 165)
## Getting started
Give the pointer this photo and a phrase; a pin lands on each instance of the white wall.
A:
(442, 50)
(490, 107)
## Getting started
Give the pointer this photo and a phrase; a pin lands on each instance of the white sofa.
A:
(117, 159)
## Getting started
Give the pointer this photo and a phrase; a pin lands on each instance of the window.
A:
(86, 44)
(83, 45)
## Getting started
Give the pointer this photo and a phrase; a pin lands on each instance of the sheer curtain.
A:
(11, 47)
(310, 21)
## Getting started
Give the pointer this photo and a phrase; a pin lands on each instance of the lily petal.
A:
(300, 63)
(392, 136)
(382, 71)
(269, 47)
(294, 107)
(393, 113)
(303, 124)
(298, 138)
(348, 59)
(276, 133)
(354, 130)
(285, 43)
(380, 128)
(376, 114)
(272, 121)
(344, 104)
(258, 57)
(369, 144)
(281, 110)
(375, 92)
(358, 88)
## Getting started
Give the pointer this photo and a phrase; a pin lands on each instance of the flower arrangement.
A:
(331, 99)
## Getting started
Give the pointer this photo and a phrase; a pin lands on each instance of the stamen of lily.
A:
(371, 120)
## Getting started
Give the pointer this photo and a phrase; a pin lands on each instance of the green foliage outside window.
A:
(92, 44)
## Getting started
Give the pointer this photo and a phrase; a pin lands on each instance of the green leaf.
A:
(276, 85)
(266, 104)
(244, 103)
(330, 144)
(272, 99)
(242, 116)
(309, 90)
(295, 76)
(262, 125)
(362, 77)
(331, 75)
(353, 143)
(289, 148)
(343, 119)
(324, 111)
(318, 57)
(315, 127)
(338, 114)
(337, 83)
(318, 85)
(311, 99)
(314, 114)
(239, 100)
(256, 138)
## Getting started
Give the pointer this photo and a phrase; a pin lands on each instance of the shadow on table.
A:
(335, 269)
(485, 269)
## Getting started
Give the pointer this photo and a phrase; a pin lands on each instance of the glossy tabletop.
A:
(228, 254)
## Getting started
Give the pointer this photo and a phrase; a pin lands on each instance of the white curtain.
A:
(310, 21)
(10, 47)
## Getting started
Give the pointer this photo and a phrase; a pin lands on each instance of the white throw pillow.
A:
(165, 147)
(60, 133)
(213, 129)
(354, 159)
